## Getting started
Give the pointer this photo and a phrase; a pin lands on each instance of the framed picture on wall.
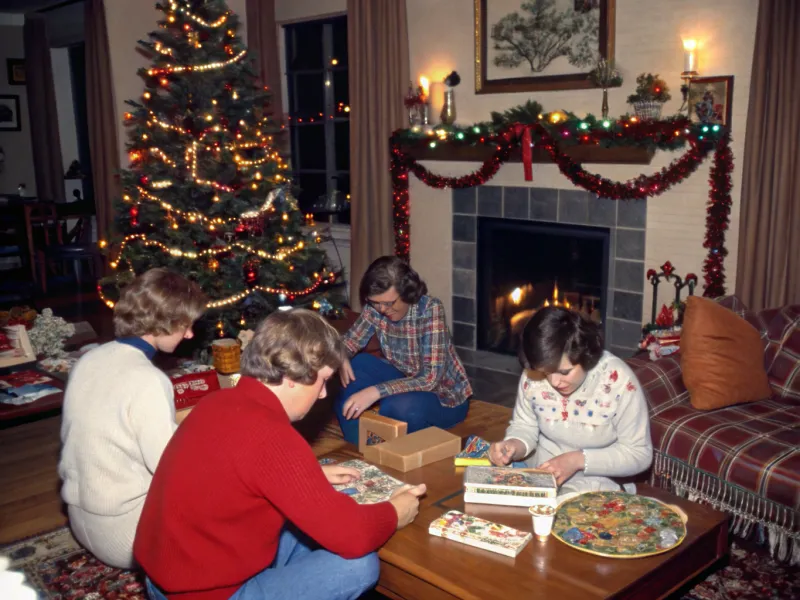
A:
(16, 71)
(710, 100)
(523, 46)
(9, 114)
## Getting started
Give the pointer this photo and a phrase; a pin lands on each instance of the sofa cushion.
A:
(753, 446)
(661, 381)
(722, 356)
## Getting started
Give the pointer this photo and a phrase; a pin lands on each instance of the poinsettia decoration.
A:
(666, 318)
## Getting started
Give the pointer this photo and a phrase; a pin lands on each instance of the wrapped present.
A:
(190, 387)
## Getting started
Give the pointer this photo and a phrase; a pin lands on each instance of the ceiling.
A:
(25, 6)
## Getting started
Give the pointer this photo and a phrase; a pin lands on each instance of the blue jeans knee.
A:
(363, 572)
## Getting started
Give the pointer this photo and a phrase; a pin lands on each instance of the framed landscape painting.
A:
(531, 45)
(710, 100)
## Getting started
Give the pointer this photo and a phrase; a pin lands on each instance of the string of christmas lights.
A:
(702, 139)
(186, 10)
(291, 295)
(214, 251)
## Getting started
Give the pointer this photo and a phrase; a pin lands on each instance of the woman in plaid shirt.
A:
(422, 380)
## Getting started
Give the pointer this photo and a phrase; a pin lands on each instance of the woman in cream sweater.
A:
(580, 410)
(119, 414)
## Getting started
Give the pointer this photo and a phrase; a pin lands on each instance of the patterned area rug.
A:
(59, 569)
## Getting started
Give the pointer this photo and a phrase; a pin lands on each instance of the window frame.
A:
(330, 118)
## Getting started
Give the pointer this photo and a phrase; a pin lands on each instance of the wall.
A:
(648, 38)
(128, 22)
(18, 166)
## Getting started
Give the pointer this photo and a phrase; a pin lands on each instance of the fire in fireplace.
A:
(525, 265)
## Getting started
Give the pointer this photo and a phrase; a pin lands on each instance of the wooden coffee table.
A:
(416, 565)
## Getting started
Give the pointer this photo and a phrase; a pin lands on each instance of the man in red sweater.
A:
(240, 508)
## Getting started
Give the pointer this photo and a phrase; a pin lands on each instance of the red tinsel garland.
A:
(644, 186)
(717, 217)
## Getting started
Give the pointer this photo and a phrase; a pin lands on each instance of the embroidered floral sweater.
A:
(419, 346)
(606, 417)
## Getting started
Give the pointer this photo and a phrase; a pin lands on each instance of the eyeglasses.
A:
(383, 305)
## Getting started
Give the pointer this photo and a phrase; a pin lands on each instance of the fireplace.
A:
(525, 265)
(617, 228)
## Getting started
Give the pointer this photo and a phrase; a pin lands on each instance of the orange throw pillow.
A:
(722, 356)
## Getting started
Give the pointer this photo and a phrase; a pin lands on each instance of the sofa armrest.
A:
(661, 381)
(782, 354)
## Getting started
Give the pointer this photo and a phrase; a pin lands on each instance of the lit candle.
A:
(425, 85)
(437, 100)
(689, 56)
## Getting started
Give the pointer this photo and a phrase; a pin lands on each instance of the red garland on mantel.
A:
(644, 186)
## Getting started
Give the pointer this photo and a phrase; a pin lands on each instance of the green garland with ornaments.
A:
(559, 130)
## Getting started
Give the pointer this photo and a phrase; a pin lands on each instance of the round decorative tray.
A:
(619, 525)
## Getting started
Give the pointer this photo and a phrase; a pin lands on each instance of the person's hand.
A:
(405, 501)
(564, 465)
(506, 451)
(346, 374)
(356, 404)
(337, 474)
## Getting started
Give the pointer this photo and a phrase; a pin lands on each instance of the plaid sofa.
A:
(743, 459)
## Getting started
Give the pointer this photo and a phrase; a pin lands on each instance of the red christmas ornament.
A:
(250, 271)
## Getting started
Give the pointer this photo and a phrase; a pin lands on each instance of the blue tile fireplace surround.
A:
(625, 223)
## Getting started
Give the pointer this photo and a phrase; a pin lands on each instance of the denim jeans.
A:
(302, 571)
(418, 409)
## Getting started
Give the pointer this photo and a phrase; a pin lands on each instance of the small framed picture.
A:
(710, 100)
(16, 71)
(9, 113)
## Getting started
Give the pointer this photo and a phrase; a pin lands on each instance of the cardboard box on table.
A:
(376, 429)
(415, 449)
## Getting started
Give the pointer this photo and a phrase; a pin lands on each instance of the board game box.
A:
(480, 533)
(508, 486)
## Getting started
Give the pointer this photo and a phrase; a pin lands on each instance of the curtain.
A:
(262, 40)
(768, 270)
(377, 32)
(42, 110)
(102, 118)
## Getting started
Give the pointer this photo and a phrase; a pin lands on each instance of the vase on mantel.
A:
(448, 116)
(605, 103)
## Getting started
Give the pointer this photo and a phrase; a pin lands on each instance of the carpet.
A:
(59, 569)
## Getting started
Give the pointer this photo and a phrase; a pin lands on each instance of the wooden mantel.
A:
(621, 155)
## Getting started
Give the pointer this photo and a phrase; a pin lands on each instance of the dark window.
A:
(319, 113)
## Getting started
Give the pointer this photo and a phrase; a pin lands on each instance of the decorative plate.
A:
(619, 525)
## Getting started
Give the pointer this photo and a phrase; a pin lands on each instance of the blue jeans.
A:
(418, 409)
(302, 571)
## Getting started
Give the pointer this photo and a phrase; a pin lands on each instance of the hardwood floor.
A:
(30, 502)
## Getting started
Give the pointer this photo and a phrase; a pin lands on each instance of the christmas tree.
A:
(206, 193)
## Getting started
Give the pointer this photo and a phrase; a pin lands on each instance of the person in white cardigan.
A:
(119, 414)
(580, 411)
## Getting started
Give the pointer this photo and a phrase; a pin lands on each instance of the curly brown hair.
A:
(295, 344)
(158, 302)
